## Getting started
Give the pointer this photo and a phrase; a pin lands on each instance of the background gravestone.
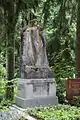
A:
(36, 85)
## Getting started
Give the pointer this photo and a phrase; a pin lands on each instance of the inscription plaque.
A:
(40, 89)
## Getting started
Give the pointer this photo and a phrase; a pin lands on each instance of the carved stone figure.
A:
(34, 63)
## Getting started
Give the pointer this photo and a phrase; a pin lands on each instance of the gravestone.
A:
(72, 88)
(36, 85)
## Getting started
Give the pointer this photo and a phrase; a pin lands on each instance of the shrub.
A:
(59, 112)
(62, 71)
(2, 80)
(75, 101)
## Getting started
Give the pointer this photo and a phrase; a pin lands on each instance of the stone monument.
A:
(36, 85)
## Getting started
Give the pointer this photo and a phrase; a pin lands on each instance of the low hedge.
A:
(59, 112)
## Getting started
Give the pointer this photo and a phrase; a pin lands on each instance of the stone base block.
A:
(40, 101)
(36, 92)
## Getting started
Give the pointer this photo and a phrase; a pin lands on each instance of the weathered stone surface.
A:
(36, 92)
(30, 88)
(36, 72)
(34, 63)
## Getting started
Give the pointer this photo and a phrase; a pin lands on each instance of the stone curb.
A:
(27, 117)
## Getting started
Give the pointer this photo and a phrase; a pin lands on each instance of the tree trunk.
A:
(13, 10)
(78, 41)
(10, 61)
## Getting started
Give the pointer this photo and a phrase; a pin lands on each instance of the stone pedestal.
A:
(36, 92)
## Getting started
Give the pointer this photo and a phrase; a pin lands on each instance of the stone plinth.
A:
(36, 92)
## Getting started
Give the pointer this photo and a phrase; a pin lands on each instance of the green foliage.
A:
(2, 79)
(22, 118)
(9, 88)
(61, 36)
(62, 71)
(59, 112)
(4, 104)
(75, 101)
(1, 97)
